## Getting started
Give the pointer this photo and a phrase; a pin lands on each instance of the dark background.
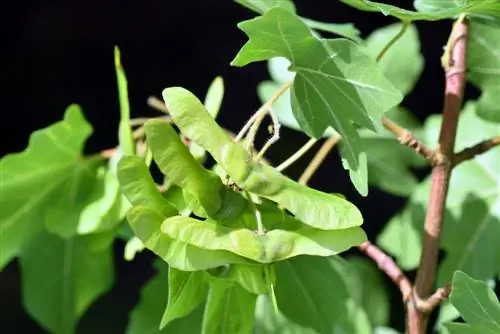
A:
(63, 54)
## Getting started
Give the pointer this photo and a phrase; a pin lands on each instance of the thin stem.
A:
(157, 104)
(389, 267)
(428, 305)
(406, 138)
(318, 159)
(258, 218)
(479, 148)
(455, 74)
(297, 155)
(400, 34)
(274, 138)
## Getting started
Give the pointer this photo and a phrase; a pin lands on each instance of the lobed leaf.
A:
(146, 315)
(275, 245)
(229, 309)
(146, 224)
(28, 179)
(186, 291)
(314, 208)
(63, 277)
(430, 10)
(477, 304)
(336, 83)
(262, 6)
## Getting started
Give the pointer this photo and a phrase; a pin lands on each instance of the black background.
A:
(62, 53)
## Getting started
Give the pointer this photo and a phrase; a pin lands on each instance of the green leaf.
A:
(133, 246)
(373, 294)
(251, 278)
(299, 297)
(475, 8)
(146, 316)
(186, 291)
(429, 10)
(477, 304)
(63, 277)
(347, 30)
(28, 179)
(483, 53)
(314, 208)
(266, 321)
(146, 223)
(275, 245)
(336, 83)
(262, 6)
(138, 186)
(488, 105)
(402, 63)
(229, 309)
(473, 196)
(124, 130)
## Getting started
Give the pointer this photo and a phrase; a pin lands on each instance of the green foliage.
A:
(476, 303)
(242, 248)
(331, 79)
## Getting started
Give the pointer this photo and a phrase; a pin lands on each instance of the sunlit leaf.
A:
(336, 84)
(229, 309)
(274, 246)
(430, 10)
(402, 63)
(262, 6)
(28, 179)
(62, 277)
(133, 246)
(146, 223)
(477, 304)
(145, 317)
(314, 208)
(186, 291)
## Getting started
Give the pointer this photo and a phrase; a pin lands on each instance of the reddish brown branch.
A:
(389, 267)
(455, 82)
(479, 148)
(429, 304)
(406, 138)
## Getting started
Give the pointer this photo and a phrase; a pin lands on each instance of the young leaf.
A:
(314, 208)
(442, 9)
(251, 278)
(403, 63)
(133, 246)
(138, 186)
(146, 316)
(229, 309)
(336, 84)
(275, 245)
(186, 291)
(63, 277)
(146, 223)
(300, 299)
(124, 130)
(34, 174)
(476, 303)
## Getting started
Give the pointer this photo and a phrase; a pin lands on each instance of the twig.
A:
(479, 148)
(274, 138)
(400, 34)
(440, 176)
(428, 305)
(157, 104)
(318, 159)
(389, 267)
(405, 137)
(296, 156)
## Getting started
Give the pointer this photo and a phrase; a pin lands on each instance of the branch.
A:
(406, 138)
(479, 148)
(389, 267)
(455, 74)
(428, 305)
(318, 159)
